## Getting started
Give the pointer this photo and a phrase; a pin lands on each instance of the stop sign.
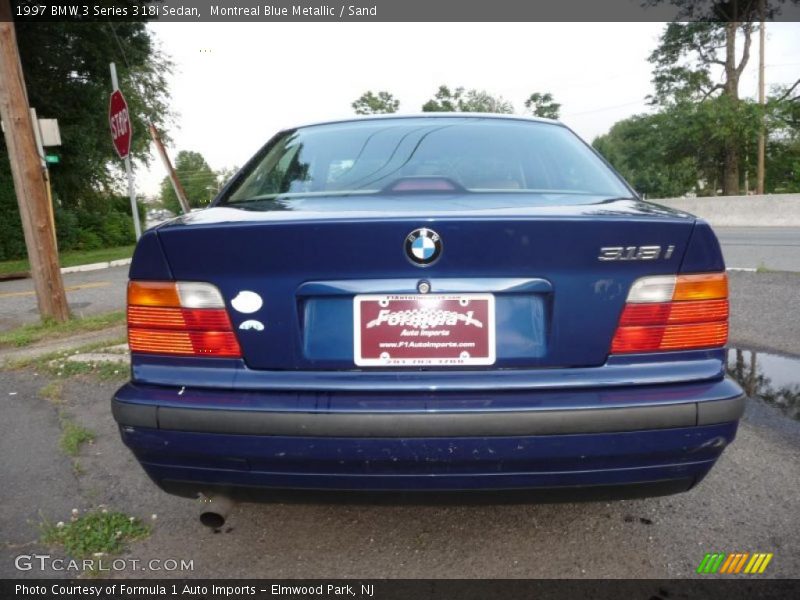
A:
(120, 123)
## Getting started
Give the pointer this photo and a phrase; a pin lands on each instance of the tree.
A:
(684, 60)
(543, 105)
(681, 148)
(66, 71)
(461, 100)
(375, 104)
(642, 149)
(690, 54)
(225, 174)
(198, 179)
(783, 143)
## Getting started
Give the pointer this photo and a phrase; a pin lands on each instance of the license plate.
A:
(423, 330)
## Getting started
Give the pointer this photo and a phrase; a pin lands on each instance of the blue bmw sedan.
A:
(428, 303)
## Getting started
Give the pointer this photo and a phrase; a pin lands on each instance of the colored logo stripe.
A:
(734, 563)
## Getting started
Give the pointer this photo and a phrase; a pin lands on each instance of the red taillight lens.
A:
(696, 311)
(159, 322)
(203, 319)
(667, 313)
(670, 337)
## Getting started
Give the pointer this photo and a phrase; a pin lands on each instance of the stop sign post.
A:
(119, 122)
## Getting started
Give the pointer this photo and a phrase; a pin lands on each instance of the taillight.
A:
(674, 312)
(184, 318)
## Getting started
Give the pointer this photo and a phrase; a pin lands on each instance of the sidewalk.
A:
(112, 334)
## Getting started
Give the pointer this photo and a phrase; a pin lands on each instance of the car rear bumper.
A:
(651, 440)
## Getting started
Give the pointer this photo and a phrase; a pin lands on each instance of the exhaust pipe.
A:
(214, 510)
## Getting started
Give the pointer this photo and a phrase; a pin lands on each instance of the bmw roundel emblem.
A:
(423, 246)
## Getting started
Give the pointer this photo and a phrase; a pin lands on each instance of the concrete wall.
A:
(777, 210)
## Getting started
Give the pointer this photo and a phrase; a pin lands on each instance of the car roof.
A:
(429, 115)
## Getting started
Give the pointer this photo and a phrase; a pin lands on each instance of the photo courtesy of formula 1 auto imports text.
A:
(322, 299)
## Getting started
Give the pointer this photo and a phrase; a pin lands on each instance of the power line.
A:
(119, 44)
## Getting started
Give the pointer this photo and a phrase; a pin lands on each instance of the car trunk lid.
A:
(557, 269)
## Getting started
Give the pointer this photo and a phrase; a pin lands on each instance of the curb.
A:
(76, 269)
(97, 266)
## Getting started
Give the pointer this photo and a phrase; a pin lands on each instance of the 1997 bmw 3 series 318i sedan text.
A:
(449, 302)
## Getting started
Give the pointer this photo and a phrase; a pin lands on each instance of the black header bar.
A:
(192, 11)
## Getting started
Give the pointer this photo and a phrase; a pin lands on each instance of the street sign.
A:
(51, 135)
(120, 123)
(52, 159)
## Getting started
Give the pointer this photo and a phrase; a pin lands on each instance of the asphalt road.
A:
(748, 503)
(774, 248)
(92, 292)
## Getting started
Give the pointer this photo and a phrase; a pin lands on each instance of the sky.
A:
(236, 84)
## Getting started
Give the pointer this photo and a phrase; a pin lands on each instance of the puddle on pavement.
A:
(772, 378)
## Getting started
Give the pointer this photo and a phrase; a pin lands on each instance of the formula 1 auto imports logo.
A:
(424, 318)
(734, 563)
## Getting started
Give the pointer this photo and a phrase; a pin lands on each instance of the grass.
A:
(97, 531)
(50, 362)
(73, 436)
(72, 258)
(105, 371)
(53, 391)
(29, 334)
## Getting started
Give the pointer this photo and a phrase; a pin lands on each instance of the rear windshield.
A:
(477, 154)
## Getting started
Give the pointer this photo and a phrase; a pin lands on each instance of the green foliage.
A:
(12, 243)
(697, 67)
(67, 77)
(684, 59)
(783, 142)
(681, 148)
(543, 105)
(226, 174)
(104, 370)
(722, 10)
(637, 148)
(94, 532)
(375, 104)
(72, 258)
(198, 179)
(461, 100)
(53, 391)
(73, 436)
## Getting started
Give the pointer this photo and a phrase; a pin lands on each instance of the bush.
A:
(88, 240)
(100, 223)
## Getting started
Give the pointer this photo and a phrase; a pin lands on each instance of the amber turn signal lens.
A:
(707, 286)
(153, 293)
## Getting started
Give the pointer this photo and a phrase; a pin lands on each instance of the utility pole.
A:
(762, 133)
(29, 182)
(173, 176)
(37, 135)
